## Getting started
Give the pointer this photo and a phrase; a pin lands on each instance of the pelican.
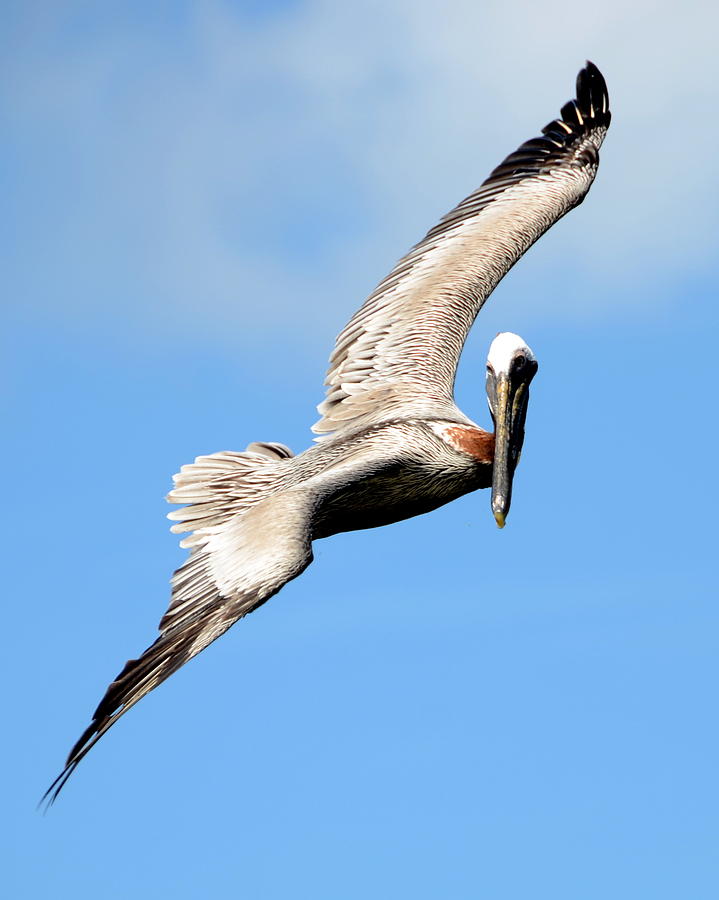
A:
(394, 444)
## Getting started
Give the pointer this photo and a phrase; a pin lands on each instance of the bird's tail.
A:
(219, 486)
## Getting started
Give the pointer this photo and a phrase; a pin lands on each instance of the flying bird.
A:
(393, 443)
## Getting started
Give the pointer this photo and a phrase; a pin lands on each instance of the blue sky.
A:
(197, 198)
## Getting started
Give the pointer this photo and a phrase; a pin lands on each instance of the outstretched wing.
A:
(242, 554)
(398, 355)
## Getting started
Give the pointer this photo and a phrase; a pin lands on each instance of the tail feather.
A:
(219, 486)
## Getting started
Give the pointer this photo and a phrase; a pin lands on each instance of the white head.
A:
(504, 349)
(511, 366)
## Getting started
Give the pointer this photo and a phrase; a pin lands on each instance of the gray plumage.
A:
(395, 444)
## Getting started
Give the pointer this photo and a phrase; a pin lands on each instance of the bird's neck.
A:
(469, 439)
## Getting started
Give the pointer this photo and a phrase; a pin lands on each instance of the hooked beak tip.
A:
(499, 518)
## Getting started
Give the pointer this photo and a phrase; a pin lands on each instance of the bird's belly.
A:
(391, 496)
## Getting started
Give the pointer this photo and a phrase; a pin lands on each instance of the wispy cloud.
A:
(223, 169)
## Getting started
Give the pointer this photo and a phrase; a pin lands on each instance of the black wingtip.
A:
(53, 792)
(592, 94)
(588, 111)
(592, 70)
(585, 116)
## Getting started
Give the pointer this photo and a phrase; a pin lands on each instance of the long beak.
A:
(509, 410)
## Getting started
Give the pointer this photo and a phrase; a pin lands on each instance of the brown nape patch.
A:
(474, 441)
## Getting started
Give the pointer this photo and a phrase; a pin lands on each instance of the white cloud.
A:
(225, 172)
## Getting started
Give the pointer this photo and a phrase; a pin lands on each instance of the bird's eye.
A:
(519, 361)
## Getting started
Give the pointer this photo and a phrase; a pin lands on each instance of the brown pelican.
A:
(395, 443)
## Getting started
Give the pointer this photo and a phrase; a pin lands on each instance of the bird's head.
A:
(511, 366)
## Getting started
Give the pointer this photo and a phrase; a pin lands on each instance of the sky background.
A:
(197, 196)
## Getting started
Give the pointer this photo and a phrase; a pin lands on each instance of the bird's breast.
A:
(397, 491)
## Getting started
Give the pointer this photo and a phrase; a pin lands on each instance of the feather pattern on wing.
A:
(398, 355)
(248, 541)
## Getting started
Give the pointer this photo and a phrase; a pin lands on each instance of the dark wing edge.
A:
(174, 647)
(580, 121)
(236, 564)
(572, 139)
